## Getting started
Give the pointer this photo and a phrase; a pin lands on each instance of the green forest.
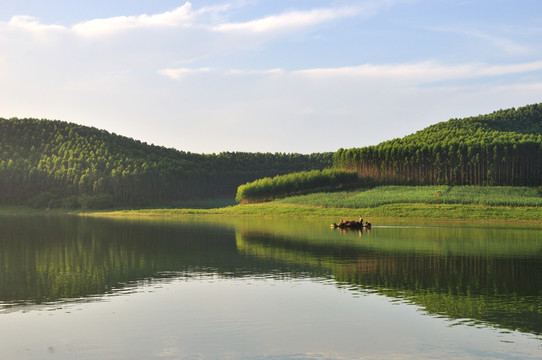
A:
(501, 148)
(45, 163)
(51, 163)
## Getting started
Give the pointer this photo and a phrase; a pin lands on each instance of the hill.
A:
(501, 148)
(513, 125)
(55, 163)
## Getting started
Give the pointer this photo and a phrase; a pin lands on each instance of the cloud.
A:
(185, 17)
(288, 21)
(422, 72)
(177, 74)
(498, 70)
(182, 73)
(179, 17)
(504, 44)
(31, 23)
(418, 72)
(411, 74)
(239, 72)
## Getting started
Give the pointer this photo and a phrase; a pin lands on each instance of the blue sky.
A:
(267, 76)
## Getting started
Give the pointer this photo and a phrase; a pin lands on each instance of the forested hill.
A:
(59, 163)
(501, 148)
(523, 124)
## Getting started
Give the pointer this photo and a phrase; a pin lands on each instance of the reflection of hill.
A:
(463, 276)
(479, 274)
(50, 258)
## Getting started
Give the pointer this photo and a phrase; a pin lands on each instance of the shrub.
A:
(44, 200)
(97, 202)
(71, 202)
(304, 182)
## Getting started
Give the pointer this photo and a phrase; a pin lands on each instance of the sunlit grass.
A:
(462, 203)
(410, 212)
(382, 195)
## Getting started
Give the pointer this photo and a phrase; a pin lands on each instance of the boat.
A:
(351, 225)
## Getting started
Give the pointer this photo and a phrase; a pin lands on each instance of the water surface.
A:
(86, 288)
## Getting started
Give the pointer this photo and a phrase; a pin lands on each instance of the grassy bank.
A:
(465, 203)
(383, 195)
(456, 212)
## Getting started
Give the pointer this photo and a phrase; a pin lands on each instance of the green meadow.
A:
(410, 203)
(383, 195)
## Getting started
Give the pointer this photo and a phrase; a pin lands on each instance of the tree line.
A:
(60, 163)
(501, 148)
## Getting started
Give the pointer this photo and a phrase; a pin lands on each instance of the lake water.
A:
(87, 288)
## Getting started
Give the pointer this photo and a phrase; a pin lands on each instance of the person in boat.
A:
(360, 221)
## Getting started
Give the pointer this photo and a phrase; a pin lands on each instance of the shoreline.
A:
(399, 212)
(449, 213)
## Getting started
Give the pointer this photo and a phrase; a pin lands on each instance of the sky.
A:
(292, 76)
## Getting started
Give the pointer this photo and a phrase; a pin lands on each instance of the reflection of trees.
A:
(70, 257)
(458, 275)
(504, 291)
(50, 258)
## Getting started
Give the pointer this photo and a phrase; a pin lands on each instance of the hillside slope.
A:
(48, 162)
(512, 125)
(501, 148)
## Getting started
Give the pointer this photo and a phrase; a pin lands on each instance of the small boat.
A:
(352, 225)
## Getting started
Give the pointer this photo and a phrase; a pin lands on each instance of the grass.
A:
(383, 195)
(404, 213)
(410, 203)
(206, 204)
(19, 210)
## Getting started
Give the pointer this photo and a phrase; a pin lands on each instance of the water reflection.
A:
(473, 275)
(487, 275)
(45, 259)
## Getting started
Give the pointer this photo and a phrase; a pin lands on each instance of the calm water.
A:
(78, 288)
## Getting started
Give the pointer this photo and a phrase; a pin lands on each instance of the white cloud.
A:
(497, 70)
(177, 74)
(288, 21)
(239, 72)
(422, 72)
(185, 17)
(503, 43)
(400, 74)
(31, 23)
(181, 16)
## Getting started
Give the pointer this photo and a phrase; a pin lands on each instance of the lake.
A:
(245, 288)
